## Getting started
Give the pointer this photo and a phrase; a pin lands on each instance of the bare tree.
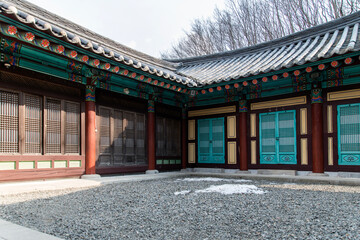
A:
(248, 22)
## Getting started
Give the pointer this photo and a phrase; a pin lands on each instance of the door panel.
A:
(268, 139)
(287, 132)
(204, 140)
(118, 138)
(349, 134)
(105, 146)
(211, 147)
(121, 138)
(278, 138)
(129, 138)
(140, 139)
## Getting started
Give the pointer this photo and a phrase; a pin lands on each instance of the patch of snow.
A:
(182, 192)
(211, 179)
(232, 189)
(242, 180)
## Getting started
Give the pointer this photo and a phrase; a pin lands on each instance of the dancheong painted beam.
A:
(71, 106)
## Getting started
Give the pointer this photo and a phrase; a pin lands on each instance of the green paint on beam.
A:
(43, 69)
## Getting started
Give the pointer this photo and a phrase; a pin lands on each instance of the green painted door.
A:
(211, 146)
(278, 137)
(349, 134)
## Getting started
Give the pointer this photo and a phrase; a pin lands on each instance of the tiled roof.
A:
(64, 29)
(333, 38)
(324, 41)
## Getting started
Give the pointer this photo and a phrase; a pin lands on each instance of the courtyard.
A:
(191, 208)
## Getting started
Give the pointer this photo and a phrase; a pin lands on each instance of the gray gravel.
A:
(151, 210)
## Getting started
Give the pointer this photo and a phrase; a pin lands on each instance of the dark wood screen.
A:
(33, 124)
(129, 137)
(9, 122)
(118, 137)
(121, 138)
(168, 142)
(105, 147)
(72, 127)
(53, 126)
(160, 136)
(140, 139)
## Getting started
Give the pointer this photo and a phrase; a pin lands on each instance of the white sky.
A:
(149, 26)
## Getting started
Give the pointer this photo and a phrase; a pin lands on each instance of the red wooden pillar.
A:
(317, 131)
(183, 139)
(151, 137)
(243, 134)
(90, 137)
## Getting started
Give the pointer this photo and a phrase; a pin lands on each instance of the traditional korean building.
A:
(73, 102)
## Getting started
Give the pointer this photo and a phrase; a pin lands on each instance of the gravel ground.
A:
(173, 209)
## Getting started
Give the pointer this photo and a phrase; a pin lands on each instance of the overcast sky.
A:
(149, 26)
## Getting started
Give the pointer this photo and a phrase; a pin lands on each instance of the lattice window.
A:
(122, 137)
(140, 138)
(53, 126)
(129, 137)
(9, 122)
(278, 137)
(349, 134)
(160, 136)
(72, 127)
(176, 138)
(118, 132)
(105, 115)
(33, 124)
(168, 140)
(118, 137)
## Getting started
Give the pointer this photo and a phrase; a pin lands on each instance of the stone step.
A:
(206, 170)
(277, 172)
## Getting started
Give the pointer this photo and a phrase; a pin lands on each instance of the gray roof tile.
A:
(324, 41)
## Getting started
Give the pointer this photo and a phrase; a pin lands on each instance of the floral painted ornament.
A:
(45, 43)
(60, 49)
(96, 62)
(117, 69)
(12, 30)
(85, 58)
(73, 54)
(29, 36)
